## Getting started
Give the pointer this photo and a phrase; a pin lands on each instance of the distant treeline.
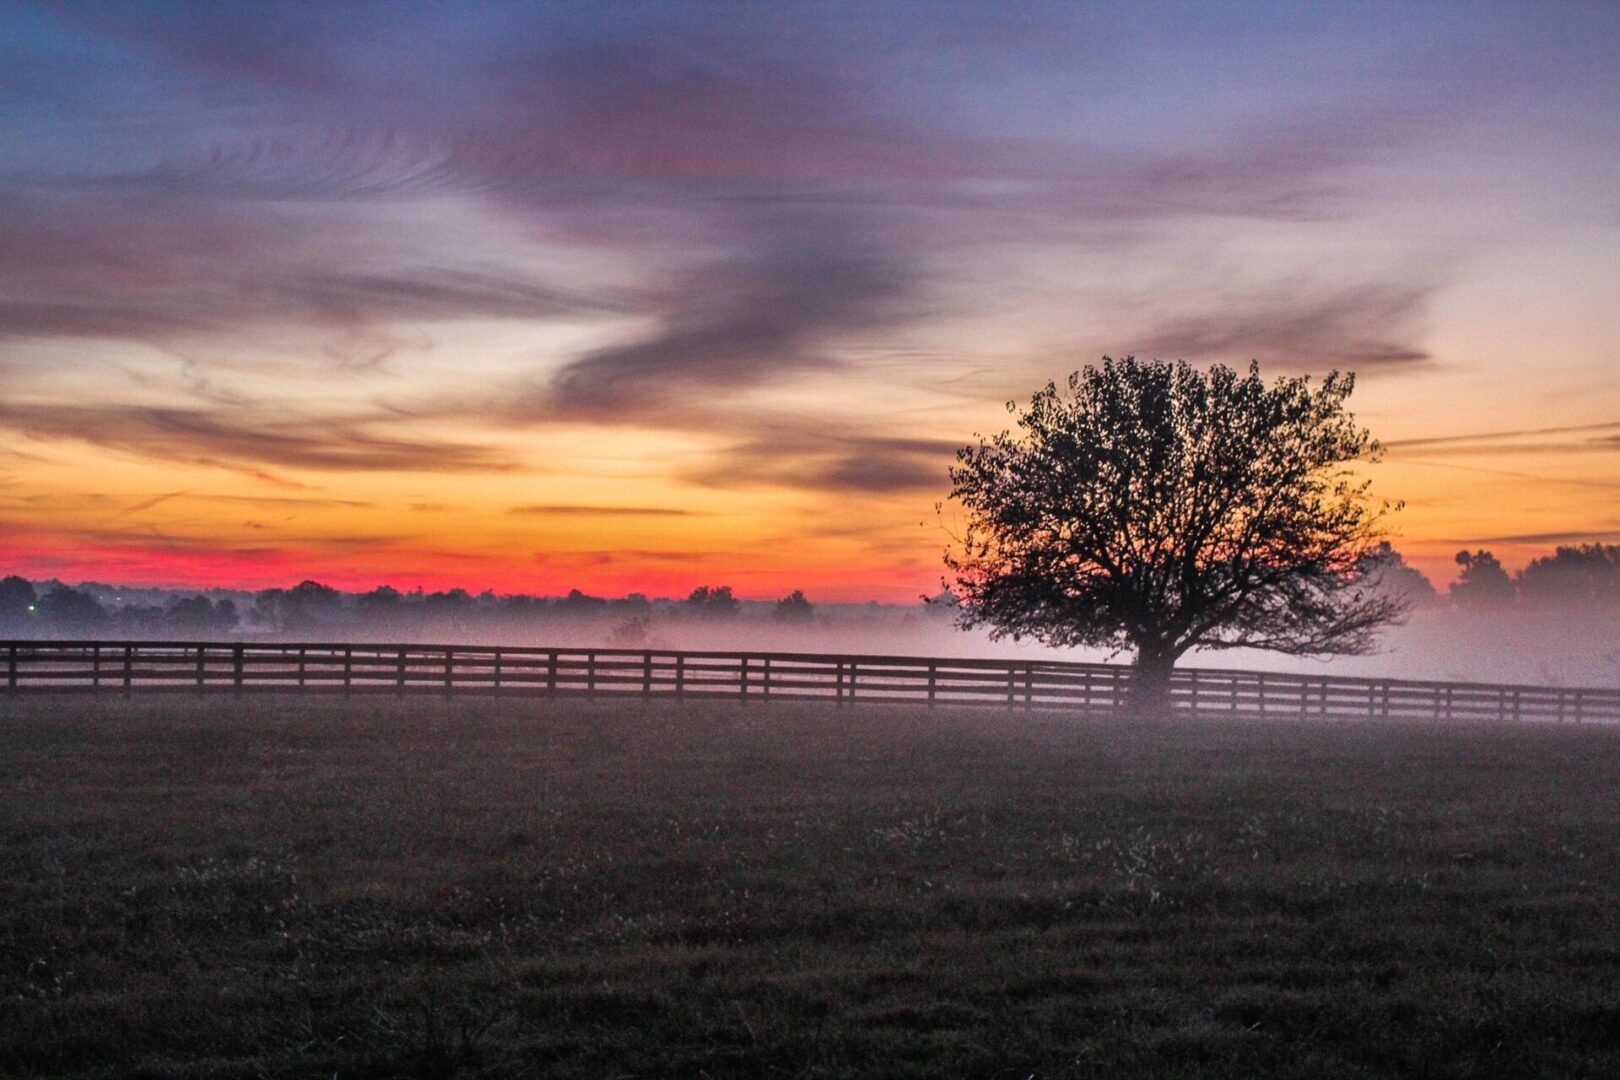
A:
(313, 609)
(1579, 577)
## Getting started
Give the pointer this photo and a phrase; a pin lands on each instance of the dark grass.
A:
(303, 888)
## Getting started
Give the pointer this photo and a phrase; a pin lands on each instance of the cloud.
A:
(162, 269)
(750, 320)
(552, 510)
(828, 460)
(283, 502)
(234, 438)
(1364, 328)
(1471, 441)
(1575, 536)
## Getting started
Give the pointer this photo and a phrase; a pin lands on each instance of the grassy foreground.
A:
(424, 888)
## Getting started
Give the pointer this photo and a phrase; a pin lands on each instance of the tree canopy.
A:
(1159, 508)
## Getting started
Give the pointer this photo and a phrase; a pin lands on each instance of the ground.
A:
(375, 888)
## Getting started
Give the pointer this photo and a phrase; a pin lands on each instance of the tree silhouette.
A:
(1587, 574)
(1387, 572)
(713, 602)
(794, 608)
(1157, 508)
(1483, 583)
(17, 598)
(196, 615)
(68, 610)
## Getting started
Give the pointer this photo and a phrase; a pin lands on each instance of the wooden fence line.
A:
(1092, 689)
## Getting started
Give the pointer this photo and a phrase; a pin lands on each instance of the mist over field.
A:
(1456, 636)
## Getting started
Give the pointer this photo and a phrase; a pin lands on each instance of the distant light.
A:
(30, 607)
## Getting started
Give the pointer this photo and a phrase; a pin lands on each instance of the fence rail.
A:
(1090, 689)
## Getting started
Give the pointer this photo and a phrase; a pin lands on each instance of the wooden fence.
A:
(1083, 689)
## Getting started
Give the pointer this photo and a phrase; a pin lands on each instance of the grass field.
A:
(424, 888)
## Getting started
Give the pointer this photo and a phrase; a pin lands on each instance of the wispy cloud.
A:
(214, 437)
(752, 320)
(1365, 328)
(1483, 437)
(563, 510)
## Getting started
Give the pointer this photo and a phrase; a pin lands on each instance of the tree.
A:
(795, 608)
(196, 615)
(1157, 508)
(1583, 575)
(71, 611)
(715, 602)
(17, 599)
(309, 605)
(1387, 572)
(1483, 583)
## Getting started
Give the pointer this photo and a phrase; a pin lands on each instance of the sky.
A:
(639, 297)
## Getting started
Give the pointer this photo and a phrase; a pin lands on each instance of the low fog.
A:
(1557, 622)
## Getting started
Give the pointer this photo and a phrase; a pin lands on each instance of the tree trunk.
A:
(1150, 683)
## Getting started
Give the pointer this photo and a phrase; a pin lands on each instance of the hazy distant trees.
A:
(307, 606)
(1483, 583)
(1159, 508)
(1387, 572)
(715, 603)
(17, 597)
(198, 616)
(1587, 575)
(69, 611)
(794, 608)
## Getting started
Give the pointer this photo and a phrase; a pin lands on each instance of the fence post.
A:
(765, 682)
(853, 666)
(1192, 680)
(1580, 706)
(303, 655)
(399, 672)
(646, 675)
(11, 668)
(236, 670)
(1029, 686)
(1260, 693)
(680, 676)
(202, 667)
(551, 672)
(497, 685)
(1448, 704)
(933, 683)
(838, 686)
(129, 665)
(1012, 683)
(590, 672)
(348, 669)
(95, 667)
(1516, 716)
(449, 670)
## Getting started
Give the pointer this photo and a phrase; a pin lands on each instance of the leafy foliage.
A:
(1585, 574)
(795, 608)
(1483, 582)
(1160, 508)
